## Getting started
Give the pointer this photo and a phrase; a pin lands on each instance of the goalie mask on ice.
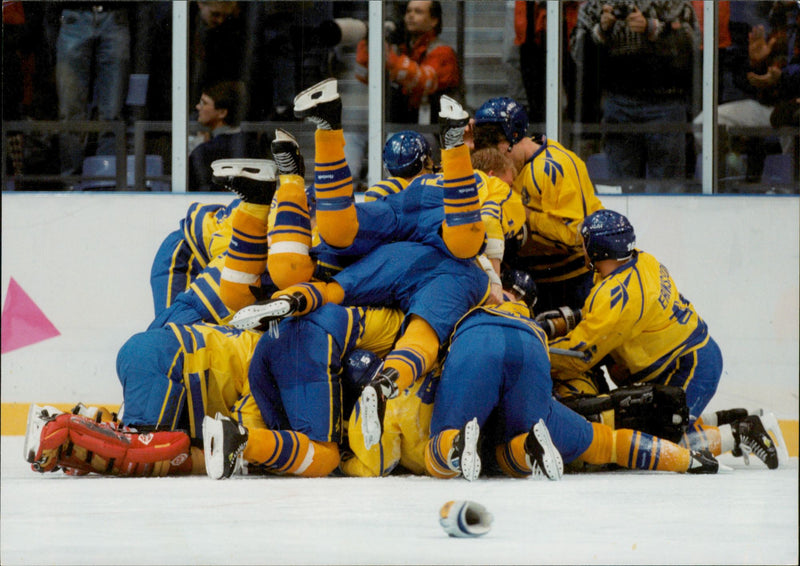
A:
(80, 444)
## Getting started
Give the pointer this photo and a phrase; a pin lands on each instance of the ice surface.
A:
(749, 516)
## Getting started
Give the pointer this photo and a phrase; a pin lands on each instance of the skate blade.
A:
(257, 169)
(256, 315)
(370, 423)
(551, 457)
(773, 429)
(470, 460)
(451, 110)
(321, 92)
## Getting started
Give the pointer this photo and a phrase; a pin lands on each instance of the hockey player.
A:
(652, 334)
(450, 206)
(203, 234)
(189, 267)
(171, 378)
(296, 377)
(406, 156)
(535, 434)
(557, 193)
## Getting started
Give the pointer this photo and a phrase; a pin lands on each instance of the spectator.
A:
(219, 110)
(530, 30)
(93, 48)
(420, 69)
(647, 53)
(767, 77)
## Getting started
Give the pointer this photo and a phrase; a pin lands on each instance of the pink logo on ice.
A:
(23, 322)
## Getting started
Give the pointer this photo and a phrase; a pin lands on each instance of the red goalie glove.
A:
(78, 443)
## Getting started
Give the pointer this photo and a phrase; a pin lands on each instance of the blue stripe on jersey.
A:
(682, 370)
(195, 385)
(209, 294)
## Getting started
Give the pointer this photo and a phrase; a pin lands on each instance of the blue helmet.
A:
(521, 283)
(359, 367)
(508, 113)
(405, 153)
(607, 235)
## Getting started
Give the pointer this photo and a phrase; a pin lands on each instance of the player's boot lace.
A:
(252, 179)
(751, 437)
(464, 455)
(320, 104)
(286, 152)
(262, 314)
(543, 458)
(373, 405)
(452, 121)
(223, 444)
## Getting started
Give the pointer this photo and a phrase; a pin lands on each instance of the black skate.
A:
(453, 119)
(320, 104)
(752, 438)
(261, 314)
(252, 179)
(543, 458)
(223, 444)
(286, 152)
(373, 405)
(464, 456)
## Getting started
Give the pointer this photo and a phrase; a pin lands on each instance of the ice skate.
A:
(452, 121)
(254, 180)
(38, 416)
(373, 405)
(259, 315)
(703, 462)
(286, 152)
(223, 444)
(320, 104)
(751, 437)
(464, 456)
(543, 458)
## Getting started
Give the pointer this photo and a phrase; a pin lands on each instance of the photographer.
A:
(647, 53)
(420, 67)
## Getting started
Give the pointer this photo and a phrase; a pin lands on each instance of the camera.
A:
(341, 31)
(621, 11)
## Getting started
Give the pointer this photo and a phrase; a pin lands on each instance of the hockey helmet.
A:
(405, 153)
(607, 235)
(359, 367)
(508, 113)
(522, 284)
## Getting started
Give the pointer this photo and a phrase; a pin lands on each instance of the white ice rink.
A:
(749, 516)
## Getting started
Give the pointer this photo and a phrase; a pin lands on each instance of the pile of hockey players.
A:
(488, 316)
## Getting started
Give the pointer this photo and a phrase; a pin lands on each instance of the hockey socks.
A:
(289, 452)
(635, 450)
(336, 212)
(438, 463)
(247, 255)
(414, 353)
(462, 230)
(700, 436)
(290, 238)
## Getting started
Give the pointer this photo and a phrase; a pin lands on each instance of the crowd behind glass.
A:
(631, 89)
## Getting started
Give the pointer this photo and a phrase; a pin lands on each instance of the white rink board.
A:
(84, 259)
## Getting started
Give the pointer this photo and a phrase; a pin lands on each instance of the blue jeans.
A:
(657, 155)
(92, 50)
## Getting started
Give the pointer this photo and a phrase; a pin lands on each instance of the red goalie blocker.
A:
(75, 442)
